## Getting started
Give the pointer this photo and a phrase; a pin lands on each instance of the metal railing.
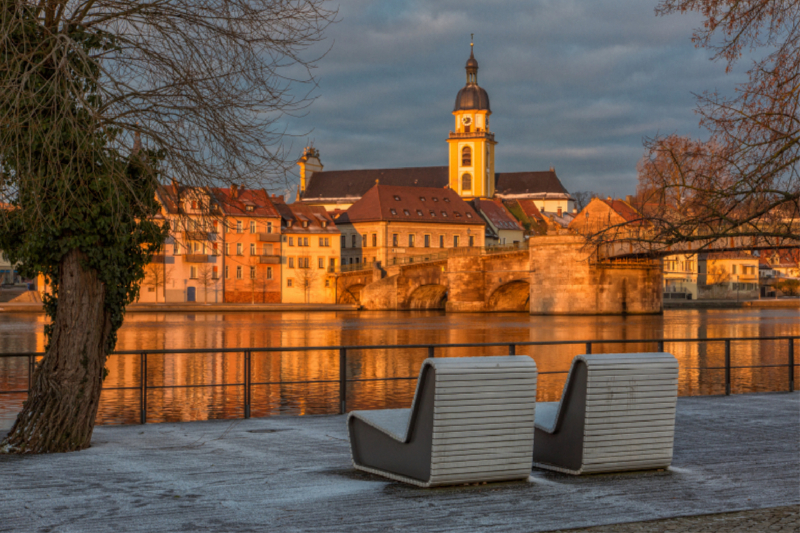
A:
(431, 349)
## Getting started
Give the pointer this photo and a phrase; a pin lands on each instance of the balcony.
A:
(269, 259)
(199, 236)
(473, 135)
(162, 259)
(269, 237)
(195, 258)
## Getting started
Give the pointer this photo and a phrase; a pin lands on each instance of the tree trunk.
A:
(60, 411)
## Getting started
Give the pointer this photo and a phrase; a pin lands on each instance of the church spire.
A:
(472, 64)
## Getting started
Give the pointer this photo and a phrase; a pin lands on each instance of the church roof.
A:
(349, 185)
(411, 204)
(510, 185)
(496, 213)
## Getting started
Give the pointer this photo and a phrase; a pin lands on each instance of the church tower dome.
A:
(471, 142)
(472, 97)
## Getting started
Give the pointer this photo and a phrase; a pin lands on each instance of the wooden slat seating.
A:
(617, 413)
(471, 421)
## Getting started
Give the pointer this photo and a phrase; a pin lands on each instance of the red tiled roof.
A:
(730, 255)
(530, 209)
(411, 204)
(624, 210)
(297, 213)
(496, 213)
(236, 204)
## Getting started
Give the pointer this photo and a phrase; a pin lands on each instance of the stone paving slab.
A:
(734, 453)
(774, 520)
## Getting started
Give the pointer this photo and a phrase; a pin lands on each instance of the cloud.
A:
(573, 83)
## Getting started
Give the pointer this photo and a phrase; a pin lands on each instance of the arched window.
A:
(466, 182)
(466, 157)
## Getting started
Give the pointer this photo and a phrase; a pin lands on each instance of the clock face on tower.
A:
(466, 120)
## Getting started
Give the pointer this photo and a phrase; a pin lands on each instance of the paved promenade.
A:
(732, 454)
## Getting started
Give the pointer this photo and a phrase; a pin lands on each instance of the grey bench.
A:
(471, 421)
(617, 413)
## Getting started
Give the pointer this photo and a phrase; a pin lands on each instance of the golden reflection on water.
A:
(275, 375)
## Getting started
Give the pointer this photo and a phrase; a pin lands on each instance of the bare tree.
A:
(744, 181)
(157, 275)
(98, 99)
(305, 279)
(205, 277)
(582, 198)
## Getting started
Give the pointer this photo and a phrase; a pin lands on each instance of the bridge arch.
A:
(351, 294)
(428, 297)
(514, 295)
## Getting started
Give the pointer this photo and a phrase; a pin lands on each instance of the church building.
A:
(470, 171)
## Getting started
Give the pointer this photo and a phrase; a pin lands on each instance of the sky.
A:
(573, 84)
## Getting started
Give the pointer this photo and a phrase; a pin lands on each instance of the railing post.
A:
(143, 373)
(512, 349)
(791, 365)
(431, 355)
(247, 384)
(727, 367)
(31, 368)
(342, 381)
(588, 348)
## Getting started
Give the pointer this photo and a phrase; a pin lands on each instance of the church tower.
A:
(471, 142)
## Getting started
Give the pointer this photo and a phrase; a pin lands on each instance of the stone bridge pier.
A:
(556, 276)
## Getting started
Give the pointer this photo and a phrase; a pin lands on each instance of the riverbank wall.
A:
(196, 308)
(783, 303)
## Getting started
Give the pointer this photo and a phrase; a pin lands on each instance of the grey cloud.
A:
(573, 83)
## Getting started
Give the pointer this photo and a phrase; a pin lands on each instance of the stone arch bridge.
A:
(554, 276)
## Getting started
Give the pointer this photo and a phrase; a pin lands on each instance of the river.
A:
(152, 331)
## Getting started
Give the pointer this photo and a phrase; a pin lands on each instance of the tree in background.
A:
(744, 181)
(582, 198)
(306, 277)
(99, 98)
(205, 278)
(157, 275)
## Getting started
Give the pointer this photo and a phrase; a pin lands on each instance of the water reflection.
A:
(275, 376)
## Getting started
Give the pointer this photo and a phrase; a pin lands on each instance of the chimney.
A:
(234, 191)
(609, 198)
(552, 168)
(559, 211)
(629, 198)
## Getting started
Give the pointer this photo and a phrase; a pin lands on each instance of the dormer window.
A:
(397, 198)
(469, 215)
(406, 213)
(447, 200)
(444, 213)
(305, 223)
(393, 211)
(324, 223)
(289, 223)
(433, 213)
(419, 212)
(457, 214)
(435, 199)
(248, 208)
(421, 198)
(194, 204)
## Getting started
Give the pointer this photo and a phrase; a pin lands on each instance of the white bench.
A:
(617, 413)
(471, 421)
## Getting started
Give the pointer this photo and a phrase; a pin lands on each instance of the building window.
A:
(393, 211)
(176, 249)
(734, 269)
(214, 249)
(239, 227)
(291, 241)
(239, 250)
(321, 241)
(305, 241)
(344, 241)
(321, 262)
(444, 214)
(327, 241)
(441, 241)
(411, 240)
(353, 240)
(227, 272)
(252, 248)
(364, 242)
(455, 241)
(252, 226)
(269, 227)
(395, 238)
(238, 272)
(433, 213)
(397, 198)
(472, 240)
(466, 157)
(289, 282)
(327, 282)
(374, 240)
(358, 260)
(214, 273)
(332, 264)
(291, 262)
(252, 272)
(419, 212)
(427, 241)
(406, 212)
(269, 272)
(193, 272)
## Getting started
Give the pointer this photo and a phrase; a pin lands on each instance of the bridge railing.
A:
(431, 350)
